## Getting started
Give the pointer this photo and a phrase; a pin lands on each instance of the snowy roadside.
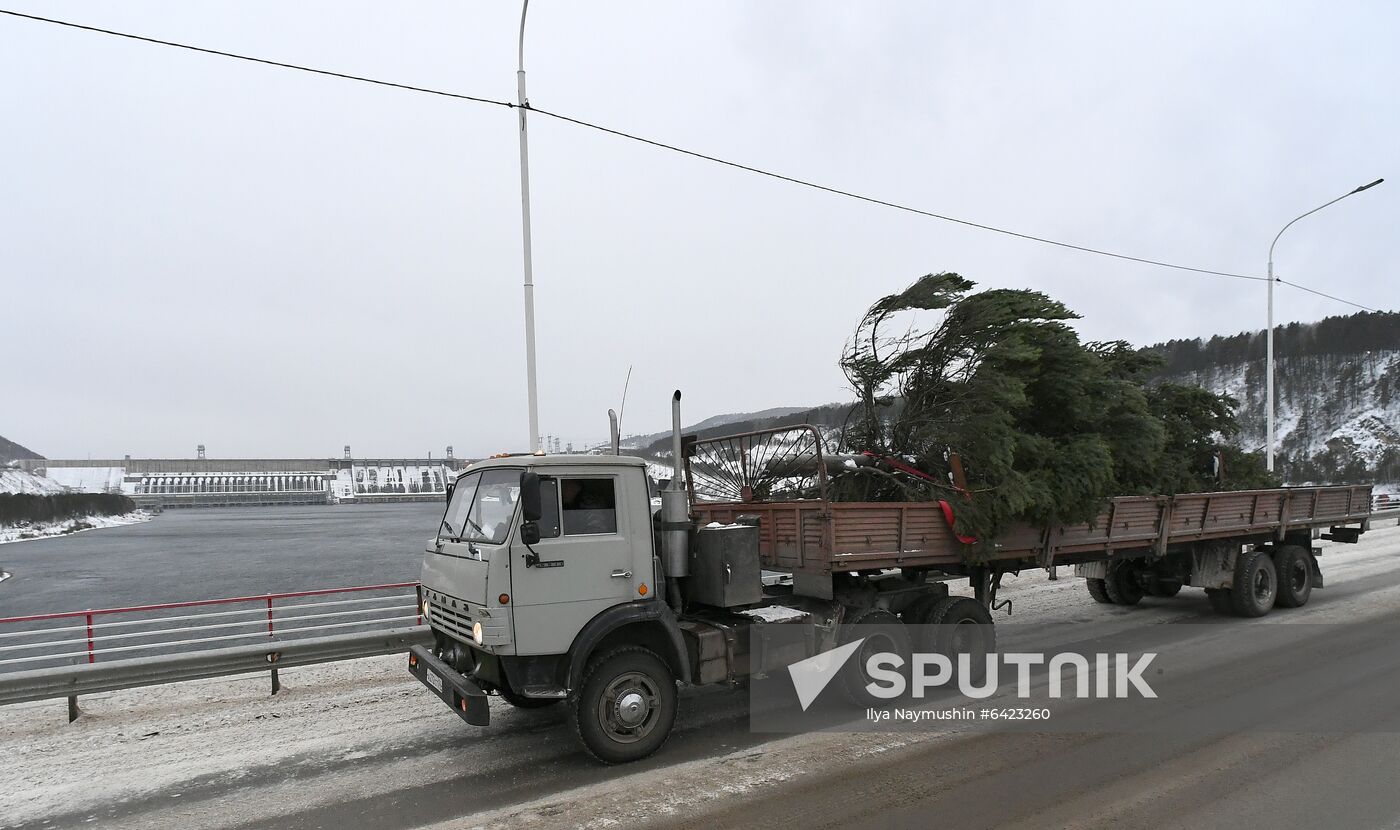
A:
(44, 530)
(219, 752)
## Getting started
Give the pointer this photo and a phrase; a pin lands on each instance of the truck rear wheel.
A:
(1293, 563)
(1122, 585)
(882, 632)
(625, 705)
(962, 625)
(1256, 584)
(1098, 591)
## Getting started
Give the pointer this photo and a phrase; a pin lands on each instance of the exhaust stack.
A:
(614, 432)
(675, 510)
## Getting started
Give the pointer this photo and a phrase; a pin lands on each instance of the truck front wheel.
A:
(625, 705)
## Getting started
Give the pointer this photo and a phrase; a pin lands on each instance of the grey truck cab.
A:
(543, 580)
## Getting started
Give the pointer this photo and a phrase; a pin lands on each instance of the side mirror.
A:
(530, 508)
(530, 533)
(451, 485)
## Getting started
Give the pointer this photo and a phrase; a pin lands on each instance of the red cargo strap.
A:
(948, 514)
(917, 473)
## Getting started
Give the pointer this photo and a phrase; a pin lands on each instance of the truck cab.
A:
(541, 561)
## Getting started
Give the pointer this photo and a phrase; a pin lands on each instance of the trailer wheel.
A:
(1220, 601)
(1098, 591)
(1122, 585)
(882, 632)
(1293, 564)
(1256, 584)
(962, 625)
(625, 705)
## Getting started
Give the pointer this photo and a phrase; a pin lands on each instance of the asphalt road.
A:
(1302, 732)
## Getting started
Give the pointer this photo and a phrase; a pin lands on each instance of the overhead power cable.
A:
(265, 61)
(1321, 294)
(676, 149)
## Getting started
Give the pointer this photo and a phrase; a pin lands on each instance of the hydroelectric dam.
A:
(225, 482)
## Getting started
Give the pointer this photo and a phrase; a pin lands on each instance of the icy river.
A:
(205, 554)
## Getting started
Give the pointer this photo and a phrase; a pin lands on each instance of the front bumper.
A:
(456, 690)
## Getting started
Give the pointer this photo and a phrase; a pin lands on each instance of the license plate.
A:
(433, 680)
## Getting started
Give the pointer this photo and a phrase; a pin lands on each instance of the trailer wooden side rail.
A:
(816, 537)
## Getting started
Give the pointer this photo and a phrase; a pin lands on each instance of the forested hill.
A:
(1356, 334)
(1338, 405)
(9, 451)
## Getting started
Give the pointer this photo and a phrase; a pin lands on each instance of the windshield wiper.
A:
(450, 529)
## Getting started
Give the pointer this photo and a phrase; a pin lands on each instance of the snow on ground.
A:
(22, 481)
(43, 530)
(364, 727)
(89, 479)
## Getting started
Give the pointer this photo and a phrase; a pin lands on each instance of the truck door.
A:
(585, 566)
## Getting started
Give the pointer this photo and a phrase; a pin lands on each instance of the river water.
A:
(205, 554)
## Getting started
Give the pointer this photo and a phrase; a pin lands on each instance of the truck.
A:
(564, 579)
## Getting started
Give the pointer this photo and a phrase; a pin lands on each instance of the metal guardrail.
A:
(71, 681)
(81, 652)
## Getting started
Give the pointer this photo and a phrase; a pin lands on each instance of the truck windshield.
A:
(482, 507)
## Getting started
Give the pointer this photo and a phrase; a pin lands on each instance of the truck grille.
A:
(452, 620)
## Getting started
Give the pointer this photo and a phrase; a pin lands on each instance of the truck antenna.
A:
(623, 406)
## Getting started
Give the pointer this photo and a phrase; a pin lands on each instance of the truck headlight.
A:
(476, 632)
(426, 615)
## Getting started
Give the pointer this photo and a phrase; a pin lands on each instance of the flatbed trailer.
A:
(815, 538)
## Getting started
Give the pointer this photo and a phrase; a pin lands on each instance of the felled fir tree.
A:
(1047, 427)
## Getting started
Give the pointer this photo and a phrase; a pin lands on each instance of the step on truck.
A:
(556, 579)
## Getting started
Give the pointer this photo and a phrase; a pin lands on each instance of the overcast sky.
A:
(199, 250)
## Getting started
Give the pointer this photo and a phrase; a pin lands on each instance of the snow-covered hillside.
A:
(19, 481)
(1337, 416)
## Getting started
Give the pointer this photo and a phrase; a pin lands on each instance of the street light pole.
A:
(522, 109)
(1269, 335)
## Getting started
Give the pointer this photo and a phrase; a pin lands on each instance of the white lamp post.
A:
(525, 235)
(1269, 337)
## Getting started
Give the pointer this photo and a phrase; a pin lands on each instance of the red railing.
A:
(146, 628)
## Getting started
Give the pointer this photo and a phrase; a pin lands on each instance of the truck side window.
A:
(549, 508)
(589, 505)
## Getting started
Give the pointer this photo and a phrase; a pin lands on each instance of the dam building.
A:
(215, 482)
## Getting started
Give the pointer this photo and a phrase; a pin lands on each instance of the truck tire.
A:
(625, 705)
(1293, 563)
(1122, 585)
(1256, 584)
(882, 632)
(1098, 591)
(1220, 601)
(963, 625)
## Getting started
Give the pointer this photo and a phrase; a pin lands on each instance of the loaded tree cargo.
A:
(553, 578)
